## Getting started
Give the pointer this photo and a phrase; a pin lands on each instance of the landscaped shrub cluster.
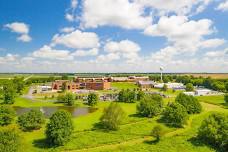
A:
(191, 104)
(92, 99)
(59, 129)
(7, 115)
(214, 131)
(130, 96)
(67, 98)
(31, 120)
(150, 105)
(10, 139)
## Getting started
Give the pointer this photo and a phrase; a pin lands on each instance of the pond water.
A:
(48, 111)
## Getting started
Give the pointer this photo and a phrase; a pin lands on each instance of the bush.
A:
(214, 130)
(157, 132)
(9, 93)
(127, 96)
(9, 139)
(150, 105)
(60, 128)
(31, 120)
(140, 95)
(164, 88)
(92, 99)
(69, 99)
(189, 87)
(7, 115)
(175, 115)
(112, 117)
(226, 97)
(191, 104)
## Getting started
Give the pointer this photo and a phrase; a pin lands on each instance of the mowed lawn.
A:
(124, 85)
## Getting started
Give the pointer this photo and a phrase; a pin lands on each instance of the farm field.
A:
(212, 75)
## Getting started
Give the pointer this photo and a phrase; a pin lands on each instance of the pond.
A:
(48, 111)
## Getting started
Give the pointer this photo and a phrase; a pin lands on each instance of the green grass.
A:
(124, 85)
(217, 100)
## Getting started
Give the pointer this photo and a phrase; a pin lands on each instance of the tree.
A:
(157, 132)
(60, 128)
(65, 77)
(150, 105)
(214, 130)
(64, 86)
(127, 96)
(189, 87)
(112, 117)
(92, 99)
(9, 139)
(226, 97)
(19, 84)
(31, 120)
(7, 115)
(226, 86)
(69, 99)
(175, 115)
(165, 87)
(140, 95)
(9, 93)
(191, 104)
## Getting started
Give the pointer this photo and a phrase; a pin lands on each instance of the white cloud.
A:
(47, 52)
(185, 35)
(81, 53)
(8, 58)
(179, 7)
(122, 13)
(108, 58)
(20, 28)
(216, 54)
(24, 38)
(74, 4)
(69, 17)
(67, 29)
(212, 43)
(77, 39)
(223, 6)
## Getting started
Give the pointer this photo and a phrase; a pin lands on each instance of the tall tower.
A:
(161, 70)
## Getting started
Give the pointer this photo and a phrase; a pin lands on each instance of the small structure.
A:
(203, 92)
(70, 85)
(43, 88)
(146, 84)
(190, 93)
(170, 85)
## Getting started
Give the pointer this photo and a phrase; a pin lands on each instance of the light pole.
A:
(161, 69)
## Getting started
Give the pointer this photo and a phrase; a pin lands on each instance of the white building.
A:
(170, 85)
(190, 93)
(203, 92)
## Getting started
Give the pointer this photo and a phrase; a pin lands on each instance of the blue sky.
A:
(113, 35)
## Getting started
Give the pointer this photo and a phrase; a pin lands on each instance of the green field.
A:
(133, 135)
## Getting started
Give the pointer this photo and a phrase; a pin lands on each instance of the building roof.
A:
(146, 82)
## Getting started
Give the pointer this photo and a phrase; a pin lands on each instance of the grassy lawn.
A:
(124, 85)
(217, 100)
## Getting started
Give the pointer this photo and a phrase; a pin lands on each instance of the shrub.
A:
(140, 95)
(31, 120)
(214, 130)
(69, 99)
(9, 139)
(9, 93)
(60, 128)
(150, 105)
(7, 115)
(175, 115)
(165, 87)
(189, 87)
(157, 132)
(226, 97)
(92, 99)
(127, 96)
(191, 104)
(112, 117)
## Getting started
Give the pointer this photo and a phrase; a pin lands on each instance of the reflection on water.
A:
(48, 111)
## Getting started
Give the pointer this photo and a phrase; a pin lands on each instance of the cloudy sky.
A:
(113, 35)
